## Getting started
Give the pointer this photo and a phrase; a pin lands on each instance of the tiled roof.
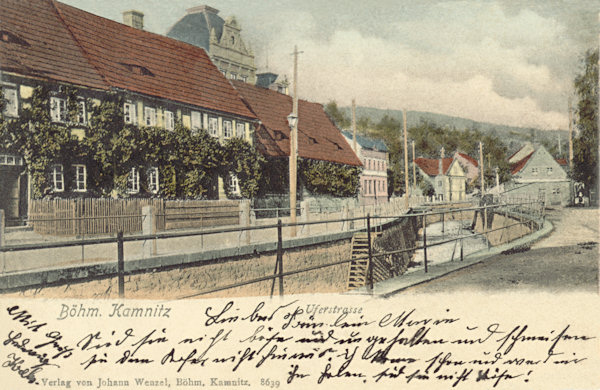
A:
(35, 42)
(431, 166)
(516, 167)
(68, 44)
(366, 142)
(318, 138)
(469, 159)
(561, 161)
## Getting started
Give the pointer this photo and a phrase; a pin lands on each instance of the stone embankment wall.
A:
(193, 278)
(511, 222)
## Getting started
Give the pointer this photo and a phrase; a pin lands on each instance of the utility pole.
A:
(354, 125)
(405, 160)
(570, 135)
(481, 167)
(294, 147)
(414, 167)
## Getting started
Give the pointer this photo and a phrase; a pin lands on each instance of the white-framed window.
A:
(58, 109)
(169, 120)
(240, 129)
(9, 159)
(153, 185)
(233, 76)
(58, 178)
(213, 126)
(227, 129)
(81, 113)
(133, 181)
(196, 120)
(549, 171)
(223, 71)
(534, 171)
(234, 184)
(129, 114)
(80, 178)
(149, 116)
(243, 78)
(11, 101)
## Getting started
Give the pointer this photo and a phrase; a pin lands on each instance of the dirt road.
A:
(567, 260)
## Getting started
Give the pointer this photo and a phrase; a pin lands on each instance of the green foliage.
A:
(585, 145)
(44, 143)
(244, 161)
(323, 177)
(337, 117)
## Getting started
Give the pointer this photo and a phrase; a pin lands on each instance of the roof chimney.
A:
(134, 19)
(202, 8)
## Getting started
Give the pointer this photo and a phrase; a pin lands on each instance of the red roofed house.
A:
(161, 79)
(446, 175)
(540, 175)
(469, 165)
(318, 138)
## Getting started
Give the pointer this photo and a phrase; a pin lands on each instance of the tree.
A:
(337, 117)
(585, 145)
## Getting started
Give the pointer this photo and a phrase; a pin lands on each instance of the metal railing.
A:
(525, 212)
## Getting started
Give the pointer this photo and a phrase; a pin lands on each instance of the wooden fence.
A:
(76, 217)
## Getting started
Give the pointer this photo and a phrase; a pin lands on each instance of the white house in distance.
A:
(373, 153)
(539, 174)
(469, 165)
(446, 175)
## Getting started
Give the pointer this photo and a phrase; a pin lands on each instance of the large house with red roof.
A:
(445, 175)
(161, 80)
(318, 138)
(537, 173)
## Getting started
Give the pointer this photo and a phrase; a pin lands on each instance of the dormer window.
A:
(313, 140)
(278, 135)
(10, 37)
(137, 69)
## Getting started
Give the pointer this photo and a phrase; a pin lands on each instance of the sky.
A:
(509, 62)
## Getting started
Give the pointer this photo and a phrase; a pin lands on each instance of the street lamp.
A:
(292, 120)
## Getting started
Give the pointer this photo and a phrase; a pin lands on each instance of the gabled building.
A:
(373, 153)
(161, 80)
(221, 38)
(469, 165)
(538, 174)
(318, 138)
(445, 175)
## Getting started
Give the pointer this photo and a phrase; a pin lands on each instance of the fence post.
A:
(245, 220)
(370, 268)
(425, 242)
(305, 216)
(2, 227)
(280, 256)
(148, 228)
(461, 249)
(120, 264)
